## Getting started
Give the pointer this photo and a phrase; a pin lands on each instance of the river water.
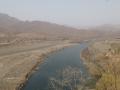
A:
(69, 56)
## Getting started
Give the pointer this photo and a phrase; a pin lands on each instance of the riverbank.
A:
(102, 59)
(89, 63)
(42, 57)
(16, 68)
(63, 61)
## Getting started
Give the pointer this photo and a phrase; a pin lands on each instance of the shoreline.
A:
(86, 62)
(40, 60)
(82, 53)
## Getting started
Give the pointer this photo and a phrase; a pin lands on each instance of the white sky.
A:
(77, 13)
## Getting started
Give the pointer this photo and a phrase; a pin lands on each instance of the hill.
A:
(16, 29)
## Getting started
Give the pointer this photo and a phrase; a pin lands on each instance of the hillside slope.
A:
(38, 30)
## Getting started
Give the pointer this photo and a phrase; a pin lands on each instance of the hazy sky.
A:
(70, 12)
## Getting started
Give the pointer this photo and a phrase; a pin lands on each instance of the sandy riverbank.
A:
(15, 68)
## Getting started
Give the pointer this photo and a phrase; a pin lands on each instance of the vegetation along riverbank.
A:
(102, 59)
(15, 73)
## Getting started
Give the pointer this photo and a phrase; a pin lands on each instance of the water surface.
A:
(56, 61)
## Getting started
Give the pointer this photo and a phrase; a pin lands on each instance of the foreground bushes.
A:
(108, 81)
(104, 66)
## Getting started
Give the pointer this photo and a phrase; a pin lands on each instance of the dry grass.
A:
(103, 61)
(17, 62)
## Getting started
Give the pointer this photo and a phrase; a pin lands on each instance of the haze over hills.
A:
(108, 30)
(13, 29)
(39, 30)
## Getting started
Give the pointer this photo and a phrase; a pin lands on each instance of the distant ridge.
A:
(50, 31)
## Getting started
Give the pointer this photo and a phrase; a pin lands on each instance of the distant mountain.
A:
(14, 24)
(40, 29)
(10, 26)
(107, 27)
(6, 20)
(108, 30)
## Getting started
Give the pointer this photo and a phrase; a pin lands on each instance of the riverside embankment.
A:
(69, 57)
(18, 62)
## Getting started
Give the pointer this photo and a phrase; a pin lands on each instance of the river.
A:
(69, 56)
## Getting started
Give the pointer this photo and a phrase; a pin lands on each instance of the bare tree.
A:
(67, 79)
